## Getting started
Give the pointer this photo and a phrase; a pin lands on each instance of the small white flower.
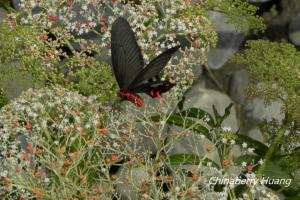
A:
(177, 189)
(4, 173)
(287, 132)
(250, 150)
(244, 164)
(232, 142)
(226, 129)
(244, 145)
(261, 161)
(84, 7)
(224, 140)
(115, 145)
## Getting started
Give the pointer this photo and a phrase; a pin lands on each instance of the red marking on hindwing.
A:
(136, 99)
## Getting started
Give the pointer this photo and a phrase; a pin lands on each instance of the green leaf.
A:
(293, 191)
(259, 148)
(240, 189)
(159, 10)
(221, 118)
(274, 170)
(181, 159)
(180, 104)
(5, 4)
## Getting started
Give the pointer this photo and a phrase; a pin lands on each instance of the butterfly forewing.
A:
(127, 59)
(153, 68)
(147, 87)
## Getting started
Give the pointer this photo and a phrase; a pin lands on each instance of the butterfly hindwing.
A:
(148, 86)
(127, 59)
(154, 67)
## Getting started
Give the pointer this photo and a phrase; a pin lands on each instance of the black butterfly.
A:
(128, 65)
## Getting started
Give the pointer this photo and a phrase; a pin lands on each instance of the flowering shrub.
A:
(3, 98)
(157, 24)
(24, 48)
(46, 144)
(274, 74)
(57, 144)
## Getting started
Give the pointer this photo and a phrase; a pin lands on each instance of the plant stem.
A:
(271, 150)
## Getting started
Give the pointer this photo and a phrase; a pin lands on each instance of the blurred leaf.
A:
(293, 191)
(159, 10)
(259, 148)
(179, 159)
(5, 4)
(239, 190)
(274, 170)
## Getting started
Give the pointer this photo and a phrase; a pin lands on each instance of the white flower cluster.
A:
(158, 25)
(46, 114)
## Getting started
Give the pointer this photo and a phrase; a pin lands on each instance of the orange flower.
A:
(234, 156)
(38, 174)
(44, 37)
(104, 131)
(69, 3)
(114, 157)
(14, 123)
(209, 148)
(77, 126)
(195, 178)
(26, 157)
(250, 168)
(8, 183)
(158, 179)
(169, 178)
(67, 130)
(103, 19)
(56, 119)
(190, 192)
(29, 149)
(125, 138)
(38, 194)
(62, 151)
(75, 155)
(84, 134)
(28, 126)
(7, 154)
(157, 123)
(67, 162)
(103, 28)
(226, 163)
(114, 177)
(90, 142)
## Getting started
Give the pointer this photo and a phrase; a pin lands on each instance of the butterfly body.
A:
(136, 99)
(132, 75)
